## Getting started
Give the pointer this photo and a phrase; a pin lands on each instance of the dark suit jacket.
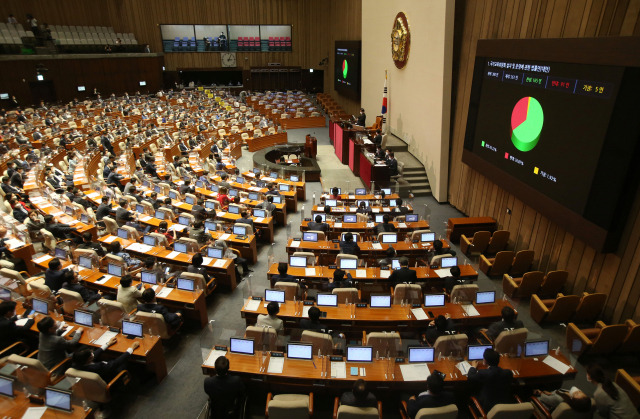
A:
(362, 119)
(85, 293)
(54, 279)
(307, 324)
(428, 401)
(123, 215)
(172, 319)
(393, 167)
(350, 248)
(103, 210)
(283, 278)
(495, 386)
(223, 391)
(385, 228)
(403, 275)
(497, 327)
(59, 230)
(16, 180)
(350, 400)
(10, 333)
(107, 370)
(318, 226)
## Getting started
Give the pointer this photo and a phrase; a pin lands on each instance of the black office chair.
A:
(222, 409)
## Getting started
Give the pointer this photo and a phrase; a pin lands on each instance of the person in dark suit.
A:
(7, 188)
(85, 360)
(400, 209)
(359, 396)
(494, 382)
(363, 209)
(404, 274)
(283, 276)
(435, 396)
(438, 249)
(10, 333)
(225, 391)
(16, 178)
(123, 215)
(385, 226)
(197, 268)
(348, 246)
(72, 283)
(392, 163)
(104, 140)
(59, 230)
(104, 209)
(508, 322)
(362, 118)
(114, 178)
(89, 244)
(244, 218)
(313, 322)
(19, 212)
(377, 140)
(339, 281)
(149, 305)
(441, 326)
(318, 225)
(54, 275)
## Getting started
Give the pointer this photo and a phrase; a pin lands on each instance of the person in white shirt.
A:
(271, 319)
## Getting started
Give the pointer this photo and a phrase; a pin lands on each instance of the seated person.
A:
(440, 326)
(494, 383)
(363, 209)
(348, 246)
(104, 209)
(88, 243)
(575, 398)
(435, 396)
(163, 228)
(334, 193)
(116, 249)
(223, 198)
(197, 232)
(313, 322)
(611, 400)
(52, 347)
(127, 294)
(197, 268)
(54, 275)
(229, 254)
(223, 389)
(283, 276)
(404, 274)
(390, 255)
(438, 249)
(85, 360)
(318, 225)
(72, 283)
(453, 280)
(149, 305)
(338, 281)
(10, 333)
(123, 215)
(60, 231)
(508, 322)
(385, 226)
(271, 319)
(359, 396)
(244, 219)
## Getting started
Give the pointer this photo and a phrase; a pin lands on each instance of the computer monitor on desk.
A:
(427, 237)
(58, 399)
(536, 348)
(420, 354)
(387, 191)
(298, 261)
(115, 270)
(234, 209)
(411, 218)
(159, 215)
(389, 238)
(259, 213)
(327, 300)
(60, 253)
(185, 284)
(359, 353)
(214, 252)
(380, 301)
(448, 262)
(40, 306)
(253, 196)
(350, 218)
(361, 191)
(241, 346)
(123, 233)
(6, 386)
(330, 202)
(239, 230)
(283, 187)
(277, 199)
(476, 352)
(85, 262)
(180, 247)
(379, 218)
(309, 236)
(149, 277)
(132, 329)
(274, 295)
(321, 214)
(434, 300)
(149, 240)
(486, 297)
(139, 209)
(348, 264)
(300, 351)
(83, 318)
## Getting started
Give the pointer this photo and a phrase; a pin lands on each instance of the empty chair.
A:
(475, 245)
(522, 287)
(322, 342)
(497, 266)
(351, 412)
(341, 256)
(599, 340)
(321, 235)
(110, 225)
(350, 295)
(311, 258)
(631, 341)
(498, 242)
(385, 344)
(502, 411)
(631, 385)
(199, 281)
(264, 338)
(112, 312)
(590, 307)
(90, 386)
(558, 310)
(410, 293)
(289, 406)
(34, 374)
(154, 324)
(521, 263)
(451, 345)
(449, 411)
(511, 341)
(464, 293)
(553, 283)
(291, 290)
(71, 300)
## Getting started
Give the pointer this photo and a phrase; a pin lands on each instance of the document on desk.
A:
(376, 246)
(253, 305)
(105, 337)
(309, 271)
(145, 218)
(464, 367)
(225, 236)
(559, 366)
(385, 274)
(139, 247)
(386, 209)
(295, 243)
(361, 273)
(172, 255)
(219, 263)
(375, 210)
(352, 197)
(276, 365)
(470, 310)
(34, 412)
(177, 204)
(110, 239)
(94, 195)
(370, 225)
(414, 372)
(402, 225)
(259, 220)
(14, 243)
(164, 292)
(353, 209)
(21, 322)
(206, 260)
(419, 313)
(337, 225)
(43, 259)
(220, 213)
(213, 355)
(305, 311)
(443, 273)
(103, 280)
(177, 227)
(338, 370)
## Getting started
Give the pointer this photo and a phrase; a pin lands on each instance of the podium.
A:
(311, 147)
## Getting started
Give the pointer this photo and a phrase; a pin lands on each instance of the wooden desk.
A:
(46, 207)
(338, 228)
(16, 408)
(300, 186)
(259, 143)
(382, 375)
(369, 319)
(375, 210)
(468, 226)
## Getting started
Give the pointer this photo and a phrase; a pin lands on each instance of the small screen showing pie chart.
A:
(527, 120)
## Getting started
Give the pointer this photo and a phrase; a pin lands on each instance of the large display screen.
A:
(346, 74)
(554, 126)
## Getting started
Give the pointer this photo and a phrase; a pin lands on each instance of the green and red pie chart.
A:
(345, 69)
(527, 120)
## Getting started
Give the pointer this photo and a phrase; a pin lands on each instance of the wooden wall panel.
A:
(617, 274)
(316, 24)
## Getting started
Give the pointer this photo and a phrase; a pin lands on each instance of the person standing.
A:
(224, 390)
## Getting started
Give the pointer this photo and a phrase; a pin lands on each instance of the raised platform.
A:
(265, 159)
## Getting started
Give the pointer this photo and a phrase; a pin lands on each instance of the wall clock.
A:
(400, 40)
(228, 59)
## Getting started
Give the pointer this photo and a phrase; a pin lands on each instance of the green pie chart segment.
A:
(527, 119)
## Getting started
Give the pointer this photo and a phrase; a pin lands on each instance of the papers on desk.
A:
(338, 209)
(34, 412)
(106, 337)
(276, 365)
(206, 260)
(213, 355)
(172, 255)
(305, 311)
(177, 227)
(386, 209)
(337, 225)
(225, 236)
(178, 203)
(145, 218)
(252, 305)
(14, 243)
(375, 210)
(338, 370)
(470, 310)
(295, 243)
(402, 225)
(103, 280)
(67, 330)
(94, 195)
(361, 273)
(559, 366)
(366, 141)
(414, 372)
(419, 313)
(22, 322)
(220, 213)
(164, 292)
(385, 274)
(139, 247)
(443, 273)
(464, 367)
(376, 246)
(259, 220)
(110, 239)
(219, 263)
(309, 271)
(369, 225)
(43, 259)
